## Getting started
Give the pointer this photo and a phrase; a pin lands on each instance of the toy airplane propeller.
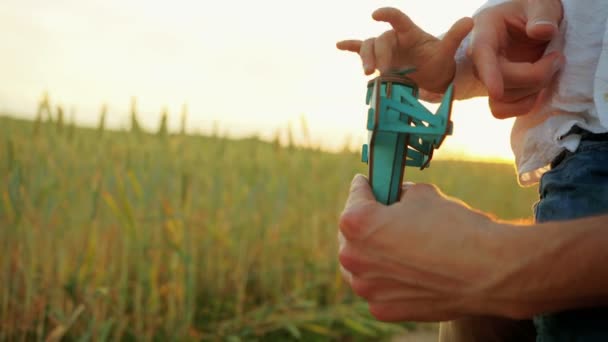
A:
(402, 132)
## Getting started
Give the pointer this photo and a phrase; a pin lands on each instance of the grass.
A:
(116, 235)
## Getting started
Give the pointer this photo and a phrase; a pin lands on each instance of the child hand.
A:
(406, 45)
(508, 51)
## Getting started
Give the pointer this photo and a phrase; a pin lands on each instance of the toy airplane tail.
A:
(445, 110)
(402, 132)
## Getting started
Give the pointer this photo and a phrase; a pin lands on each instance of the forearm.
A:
(551, 267)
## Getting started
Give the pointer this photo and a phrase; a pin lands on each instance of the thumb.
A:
(359, 218)
(544, 17)
(360, 192)
(453, 38)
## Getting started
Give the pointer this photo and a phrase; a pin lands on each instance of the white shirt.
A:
(578, 95)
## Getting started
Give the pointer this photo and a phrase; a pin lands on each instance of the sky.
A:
(247, 67)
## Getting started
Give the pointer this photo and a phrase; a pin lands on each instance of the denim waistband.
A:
(585, 136)
(588, 136)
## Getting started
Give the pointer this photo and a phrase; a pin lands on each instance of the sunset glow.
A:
(252, 67)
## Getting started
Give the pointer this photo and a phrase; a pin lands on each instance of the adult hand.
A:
(507, 48)
(425, 258)
(406, 45)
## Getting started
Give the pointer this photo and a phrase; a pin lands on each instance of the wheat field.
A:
(129, 235)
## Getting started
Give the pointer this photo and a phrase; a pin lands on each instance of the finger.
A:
(524, 80)
(368, 57)
(360, 191)
(387, 289)
(421, 310)
(544, 17)
(504, 110)
(349, 45)
(453, 38)
(511, 96)
(363, 259)
(341, 241)
(358, 262)
(384, 46)
(484, 48)
(406, 185)
(531, 75)
(348, 277)
(360, 216)
(486, 64)
(429, 96)
(397, 19)
(422, 189)
(342, 244)
(404, 188)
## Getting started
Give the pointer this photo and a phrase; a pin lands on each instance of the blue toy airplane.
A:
(402, 132)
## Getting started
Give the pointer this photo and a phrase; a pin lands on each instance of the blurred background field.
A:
(133, 235)
(217, 222)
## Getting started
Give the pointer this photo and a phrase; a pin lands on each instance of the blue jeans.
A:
(575, 187)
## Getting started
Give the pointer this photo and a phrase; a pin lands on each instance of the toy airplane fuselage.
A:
(402, 132)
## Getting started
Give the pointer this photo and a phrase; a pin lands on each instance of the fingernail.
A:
(366, 67)
(357, 178)
(544, 22)
(408, 184)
